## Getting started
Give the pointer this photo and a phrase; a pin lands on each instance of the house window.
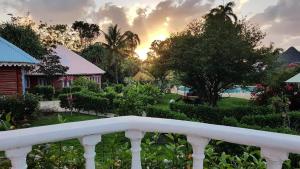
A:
(43, 82)
(27, 82)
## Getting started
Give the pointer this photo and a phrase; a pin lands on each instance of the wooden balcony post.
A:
(198, 144)
(17, 157)
(89, 144)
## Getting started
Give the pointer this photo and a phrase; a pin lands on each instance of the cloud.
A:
(281, 23)
(56, 11)
(154, 23)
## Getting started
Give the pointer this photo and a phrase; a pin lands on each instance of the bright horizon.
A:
(157, 19)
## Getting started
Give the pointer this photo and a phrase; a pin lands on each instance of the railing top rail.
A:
(58, 132)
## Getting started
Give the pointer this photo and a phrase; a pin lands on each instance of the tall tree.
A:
(219, 55)
(24, 37)
(120, 46)
(224, 12)
(52, 35)
(50, 66)
(87, 32)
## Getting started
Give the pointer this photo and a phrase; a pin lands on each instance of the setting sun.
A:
(144, 48)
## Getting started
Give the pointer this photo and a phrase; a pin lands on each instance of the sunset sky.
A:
(156, 19)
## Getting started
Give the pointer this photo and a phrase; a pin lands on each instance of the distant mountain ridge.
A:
(290, 56)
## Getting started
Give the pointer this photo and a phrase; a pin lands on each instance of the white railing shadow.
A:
(17, 144)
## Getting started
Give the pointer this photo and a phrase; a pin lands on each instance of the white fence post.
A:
(135, 137)
(274, 158)
(198, 144)
(18, 156)
(89, 144)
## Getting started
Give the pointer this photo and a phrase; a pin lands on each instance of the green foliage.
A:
(87, 32)
(216, 115)
(136, 97)
(6, 122)
(85, 83)
(85, 100)
(153, 111)
(46, 92)
(273, 120)
(214, 55)
(248, 160)
(24, 37)
(51, 66)
(120, 46)
(46, 156)
(20, 107)
(71, 89)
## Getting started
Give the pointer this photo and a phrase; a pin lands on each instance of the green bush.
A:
(136, 97)
(85, 83)
(152, 111)
(64, 101)
(46, 92)
(72, 89)
(273, 120)
(216, 115)
(20, 107)
(85, 100)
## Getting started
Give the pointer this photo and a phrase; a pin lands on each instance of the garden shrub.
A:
(85, 100)
(153, 111)
(86, 84)
(273, 120)
(216, 115)
(20, 107)
(46, 92)
(136, 97)
(71, 89)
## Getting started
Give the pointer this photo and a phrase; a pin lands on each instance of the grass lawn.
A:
(223, 103)
(164, 102)
(232, 102)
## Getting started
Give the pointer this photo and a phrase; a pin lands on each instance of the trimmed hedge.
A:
(20, 107)
(153, 111)
(216, 115)
(85, 100)
(72, 89)
(46, 92)
(273, 120)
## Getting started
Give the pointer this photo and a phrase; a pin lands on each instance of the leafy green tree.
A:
(220, 54)
(224, 12)
(50, 66)
(119, 46)
(87, 32)
(59, 34)
(100, 56)
(24, 37)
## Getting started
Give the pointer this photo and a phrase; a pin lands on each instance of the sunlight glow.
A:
(143, 49)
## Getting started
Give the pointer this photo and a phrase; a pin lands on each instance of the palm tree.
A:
(225, 12)
(119, 45)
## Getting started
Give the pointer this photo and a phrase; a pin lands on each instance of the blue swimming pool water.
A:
(239, 89)
(184, 89)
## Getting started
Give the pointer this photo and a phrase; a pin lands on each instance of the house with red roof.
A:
(78, 67)
(14, 63)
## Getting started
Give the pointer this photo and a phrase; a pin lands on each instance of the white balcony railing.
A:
(275, 147)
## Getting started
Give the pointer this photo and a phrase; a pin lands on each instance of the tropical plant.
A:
(119, 46)
(220, 55)
(87, 32)
(24, 37)
(224, 12)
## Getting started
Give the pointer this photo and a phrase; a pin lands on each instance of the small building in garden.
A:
(77, 67)
(14, 63)
(294, 80)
